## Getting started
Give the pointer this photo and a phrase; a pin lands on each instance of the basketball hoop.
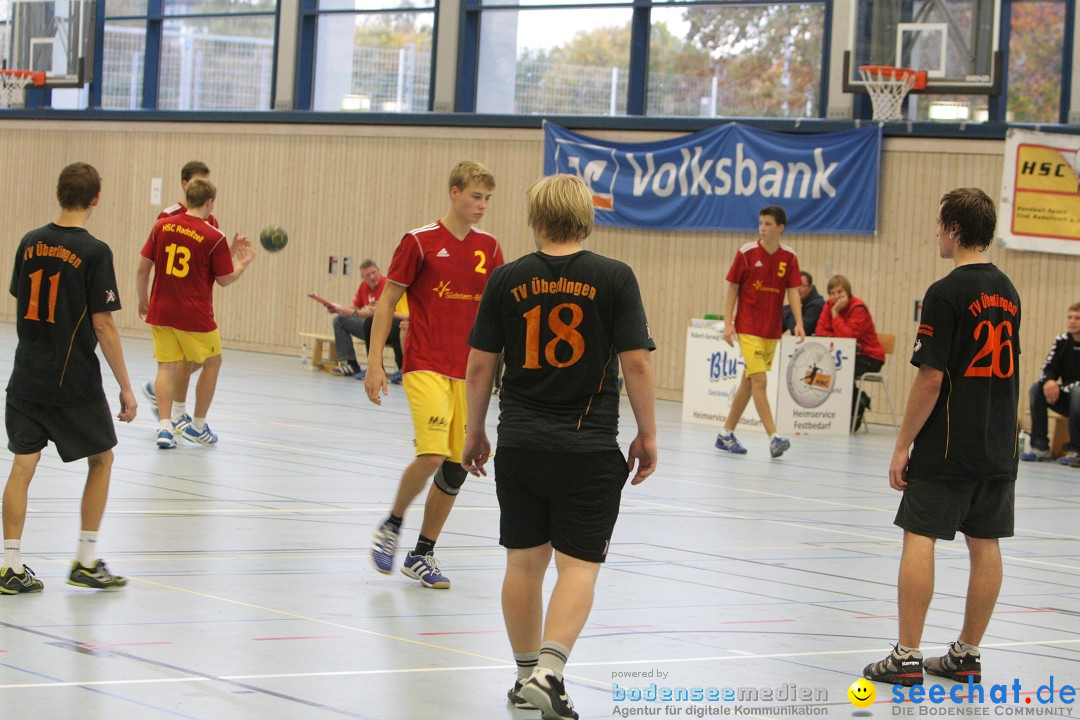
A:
(888, 86)
(13, 86)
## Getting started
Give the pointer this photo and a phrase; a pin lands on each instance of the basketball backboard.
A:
(55, 37)
(954, 41)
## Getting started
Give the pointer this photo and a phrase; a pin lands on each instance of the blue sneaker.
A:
(206, 436)
(396, 378)
(425, 568)
(729, 444)
(778, 446)
(182, 422)
(1037, 455)
(1069, 458)
(383, 546)
(165, 439)
(361, 375)
(148, 391)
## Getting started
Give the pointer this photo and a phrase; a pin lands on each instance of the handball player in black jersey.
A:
(567, 319)
(960, 426)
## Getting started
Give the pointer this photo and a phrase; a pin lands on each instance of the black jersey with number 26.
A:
(62, 276)
(562, 321)
(970, 330)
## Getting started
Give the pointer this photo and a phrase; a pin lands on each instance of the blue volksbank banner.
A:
(718, 179)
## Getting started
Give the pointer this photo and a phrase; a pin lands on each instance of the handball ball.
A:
(273, 238)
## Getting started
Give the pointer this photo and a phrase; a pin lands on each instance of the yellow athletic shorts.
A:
(438, 412)
(172, 345)
(757, 353)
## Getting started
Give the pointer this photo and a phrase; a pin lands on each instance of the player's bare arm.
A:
(921, 401)
(109, 339)
(375, 380)
(142, 285)
(243, 254)
(796, 311)
(637, 370)
(479, 379)
(729, 313)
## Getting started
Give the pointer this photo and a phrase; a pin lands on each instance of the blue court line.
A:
(100, 692)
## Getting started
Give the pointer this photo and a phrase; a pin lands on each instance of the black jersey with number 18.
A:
(970, 330)
(562, 321)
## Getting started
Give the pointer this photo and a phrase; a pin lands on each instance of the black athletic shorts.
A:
(78, 431)
(938, 507)
(569, 499)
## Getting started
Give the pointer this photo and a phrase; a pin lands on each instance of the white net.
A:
(13, 90)
(887, 87)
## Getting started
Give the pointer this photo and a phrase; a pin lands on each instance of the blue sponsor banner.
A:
(718, 179)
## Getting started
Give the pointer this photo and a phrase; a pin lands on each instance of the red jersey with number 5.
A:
(763, 281)
(188, 254)
(445, 277)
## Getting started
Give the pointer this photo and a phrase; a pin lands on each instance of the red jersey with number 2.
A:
(445, 278)
(763, 281)
(188, 254)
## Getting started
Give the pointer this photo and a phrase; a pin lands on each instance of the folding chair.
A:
(888, 342)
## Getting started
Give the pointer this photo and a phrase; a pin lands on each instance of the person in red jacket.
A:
(847, 316)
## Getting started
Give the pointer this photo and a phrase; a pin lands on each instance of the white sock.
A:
(526, 663)
(198, 423)
(961, 646)
(165, 424)
(178, 409)
(903, 650)
(553, 657)
(727, 433)
(87, 555)
(12, 555)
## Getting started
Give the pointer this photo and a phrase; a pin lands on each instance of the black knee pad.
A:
(450, 477)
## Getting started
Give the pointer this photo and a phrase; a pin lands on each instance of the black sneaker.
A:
(548, 693)
(956, 665)
(12, 583)
(95, 578)
(896, 668)
(516, 700)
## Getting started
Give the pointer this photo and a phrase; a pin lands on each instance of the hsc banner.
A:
(1040, 194)
(718, 179)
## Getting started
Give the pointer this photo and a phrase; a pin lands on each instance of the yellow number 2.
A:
(480, 262)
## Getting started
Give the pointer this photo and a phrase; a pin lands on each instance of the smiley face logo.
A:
(861, 693)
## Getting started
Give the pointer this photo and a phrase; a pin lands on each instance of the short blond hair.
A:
(467, 171)
(560, 208)
(198, 192)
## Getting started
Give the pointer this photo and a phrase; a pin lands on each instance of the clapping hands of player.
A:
(242, 250)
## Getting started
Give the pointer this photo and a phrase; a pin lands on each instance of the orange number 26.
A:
(998, 344)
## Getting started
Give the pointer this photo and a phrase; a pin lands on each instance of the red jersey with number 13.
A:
(763, 281)
(445, 278)
(188, 254)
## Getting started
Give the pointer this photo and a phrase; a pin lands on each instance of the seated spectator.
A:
(355, 321)
(1058, 389)
(812, 302)
(847, 316)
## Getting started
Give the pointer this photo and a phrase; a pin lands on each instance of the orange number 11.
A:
(35, 291)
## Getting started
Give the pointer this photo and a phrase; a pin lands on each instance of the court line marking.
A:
(735, 655)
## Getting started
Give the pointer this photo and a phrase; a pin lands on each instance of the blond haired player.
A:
(444, 266)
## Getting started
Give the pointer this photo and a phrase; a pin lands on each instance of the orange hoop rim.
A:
(897, 73)
(37, 78)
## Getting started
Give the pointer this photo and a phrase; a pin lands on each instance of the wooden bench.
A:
(324, 351)
(1059, 430)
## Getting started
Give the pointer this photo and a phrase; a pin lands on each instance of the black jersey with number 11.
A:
(970, 330)
(562, 321)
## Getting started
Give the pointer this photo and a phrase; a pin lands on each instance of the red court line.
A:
(301, 637)
(490, 632)
(105, 645)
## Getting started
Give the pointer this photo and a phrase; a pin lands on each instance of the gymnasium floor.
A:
(252, 595)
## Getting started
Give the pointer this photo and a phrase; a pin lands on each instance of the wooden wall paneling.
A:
(353, 190)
